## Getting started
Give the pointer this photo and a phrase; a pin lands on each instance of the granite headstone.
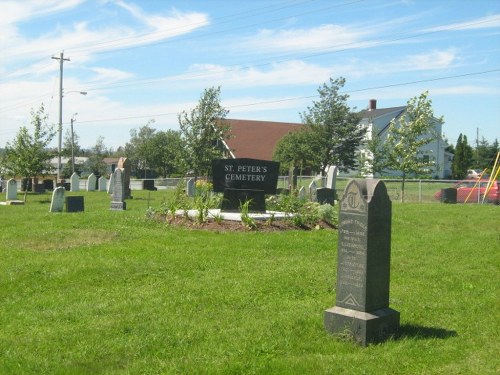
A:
(118, 200)
(363, 268)
(101, 183)
(124, 164)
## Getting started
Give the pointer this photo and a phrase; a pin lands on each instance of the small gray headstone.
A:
(331, 177)
(302, 193)
(312, 191)
(118, 200)
(75, 203)
(363, 266)
(91, 181)
(293, 173)
(102, 183)
(57, 203)
(75, 182)
(190, 187)
(11, 194)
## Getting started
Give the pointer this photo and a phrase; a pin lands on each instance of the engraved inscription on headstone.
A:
(363, 267)
(57, 203)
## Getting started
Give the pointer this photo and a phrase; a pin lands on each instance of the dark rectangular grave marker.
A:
(75, 204)
(363, 267)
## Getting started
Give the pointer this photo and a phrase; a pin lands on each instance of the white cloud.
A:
(492, 21)
(324, 37)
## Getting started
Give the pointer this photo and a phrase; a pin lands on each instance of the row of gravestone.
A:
(76, 203)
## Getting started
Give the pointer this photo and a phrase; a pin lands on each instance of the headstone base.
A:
(233, 198)
(364, 327)
(118, 206)
(12, 202)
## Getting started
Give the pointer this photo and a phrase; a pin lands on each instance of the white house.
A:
(378, 120)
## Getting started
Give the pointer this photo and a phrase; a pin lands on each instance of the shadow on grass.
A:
(420, 332)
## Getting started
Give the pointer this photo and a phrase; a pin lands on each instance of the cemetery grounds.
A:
(112, 292)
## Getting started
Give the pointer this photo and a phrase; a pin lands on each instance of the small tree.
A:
(408, 134)
(337, 130)
(462, 159)
(297, 149)
(95, 162)
(27, 156)
(203, 131)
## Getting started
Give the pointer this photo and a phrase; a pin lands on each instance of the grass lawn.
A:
(107, 292)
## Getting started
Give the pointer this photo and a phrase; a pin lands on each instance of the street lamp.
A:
(59, 146)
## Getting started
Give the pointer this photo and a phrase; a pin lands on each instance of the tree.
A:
(297, 149)
(337, 131)
(202, 132)
(408, 134)
(95, 163)
(167, 147)
(374, 159)
(485, 154)
(27, 156)
(140, 149)
(462, 159)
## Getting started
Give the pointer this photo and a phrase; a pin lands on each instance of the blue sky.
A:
(149, 60)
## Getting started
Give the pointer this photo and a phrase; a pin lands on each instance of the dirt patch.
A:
(238, 226)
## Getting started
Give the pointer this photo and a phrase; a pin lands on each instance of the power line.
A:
(303, 97)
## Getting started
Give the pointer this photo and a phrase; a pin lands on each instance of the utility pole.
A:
(59, 147)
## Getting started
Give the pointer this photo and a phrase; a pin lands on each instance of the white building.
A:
(378, 120)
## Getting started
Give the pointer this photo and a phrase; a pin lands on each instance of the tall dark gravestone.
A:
(243, 180)
(363, 268)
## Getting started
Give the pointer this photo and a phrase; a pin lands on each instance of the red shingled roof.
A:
(257, 139)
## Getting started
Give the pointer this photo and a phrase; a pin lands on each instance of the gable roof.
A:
(257, 139)
(374, 113)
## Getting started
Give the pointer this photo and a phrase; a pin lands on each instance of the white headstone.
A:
(331, 178)
(91, 181)
(102, 183)
(111, 183)
(11, 194)
(190, 187)
(313, 187)
(57, 203)
(75, 182)
(302, 193)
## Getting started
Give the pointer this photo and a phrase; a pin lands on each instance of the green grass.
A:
(106, 292)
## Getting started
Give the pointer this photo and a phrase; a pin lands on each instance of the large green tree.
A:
(462, 159)
(202, 132)
(140, 150)
(406, 136)
(95, 163)
(336, 128)
(167, 150)
(485, 154)
(297, 149)
(28, 155)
